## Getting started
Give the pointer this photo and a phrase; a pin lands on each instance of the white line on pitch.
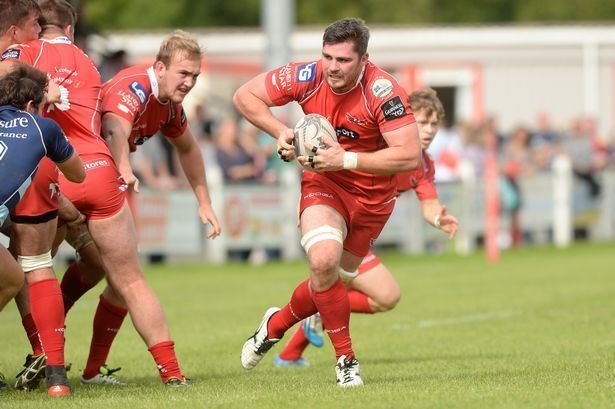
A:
(465, 319)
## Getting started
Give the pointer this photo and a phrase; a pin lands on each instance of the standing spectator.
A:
(516, 163)
(581, 145)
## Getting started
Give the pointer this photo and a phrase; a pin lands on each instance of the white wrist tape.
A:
(436, 221)
(31, 263)
(351, 160)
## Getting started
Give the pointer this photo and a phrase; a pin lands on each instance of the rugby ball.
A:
(312, 129)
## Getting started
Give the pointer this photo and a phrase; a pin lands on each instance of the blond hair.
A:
(426, 99)
(179, 42)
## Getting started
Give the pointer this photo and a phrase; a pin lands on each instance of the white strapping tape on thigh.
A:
(347, 276)
(31, 263)
(321, 233)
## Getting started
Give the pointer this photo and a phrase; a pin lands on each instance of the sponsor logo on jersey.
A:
(21, 122)
(129, 100)
(345, 132)
(95, 164)
(306, 72)
(355, 120)
(139, 91)
(285, 77)
(10, 53)
(382, 87)
(123, 108)
(393, 108)
(182, 118)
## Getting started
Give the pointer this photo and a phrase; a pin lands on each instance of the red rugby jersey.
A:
(420, 180)
(78, 113)
(133, 94)
(376, 104)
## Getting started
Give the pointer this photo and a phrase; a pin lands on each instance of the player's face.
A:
(29, 30)
(342, 65)
(428, 127)
(176, 80)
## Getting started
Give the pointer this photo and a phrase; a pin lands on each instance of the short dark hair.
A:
(14, 12)
(22, 84)
(58, 13)
(348, 29)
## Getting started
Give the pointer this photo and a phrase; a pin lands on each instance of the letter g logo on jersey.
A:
(306, 72)
(139, 91)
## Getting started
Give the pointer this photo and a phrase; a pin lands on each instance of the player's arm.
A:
(435, 214)
(191, 161)
(402, 154)
(253, 102)
(73, 168)
(115, 131)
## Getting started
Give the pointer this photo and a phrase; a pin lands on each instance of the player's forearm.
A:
(430, 209)
(116, 141)
(193, 166)
(257, 112)
(395, 159)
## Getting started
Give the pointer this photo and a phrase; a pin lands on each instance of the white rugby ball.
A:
(311, 129)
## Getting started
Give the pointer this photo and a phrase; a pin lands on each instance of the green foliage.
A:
(141, 14)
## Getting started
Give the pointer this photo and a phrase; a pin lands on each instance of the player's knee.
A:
(388, 300)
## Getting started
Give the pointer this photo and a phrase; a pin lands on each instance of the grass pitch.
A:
(536, 330)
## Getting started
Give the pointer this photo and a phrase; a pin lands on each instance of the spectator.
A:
(581, 145)
(235, 161)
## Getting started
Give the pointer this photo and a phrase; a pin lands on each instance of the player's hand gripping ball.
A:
(312, 129)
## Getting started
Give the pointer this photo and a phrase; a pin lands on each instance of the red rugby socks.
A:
(164, 355)
(107, 322)
(295, 346)
(74, 285)
(359, 302)
(334, 309)
(47, 311)
(28, 324)
(300, 306)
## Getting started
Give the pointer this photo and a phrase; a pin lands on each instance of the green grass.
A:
(536, 330)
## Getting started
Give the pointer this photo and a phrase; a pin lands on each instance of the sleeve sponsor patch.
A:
(393, 108)
(305, 73)
(382, 87)
(123, 108)
(139, 91)
(10, 53)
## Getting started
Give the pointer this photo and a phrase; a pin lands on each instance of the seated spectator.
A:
(235, 161)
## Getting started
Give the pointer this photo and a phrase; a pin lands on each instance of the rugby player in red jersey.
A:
(348, 190)
(375, 289)
(136, 104)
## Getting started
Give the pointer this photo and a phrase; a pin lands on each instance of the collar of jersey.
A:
(58, 40)
(153, 81)
(359, 78)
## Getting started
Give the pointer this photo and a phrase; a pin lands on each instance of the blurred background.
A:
(526, 155)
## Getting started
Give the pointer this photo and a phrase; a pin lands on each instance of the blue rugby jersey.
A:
(24, 140)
